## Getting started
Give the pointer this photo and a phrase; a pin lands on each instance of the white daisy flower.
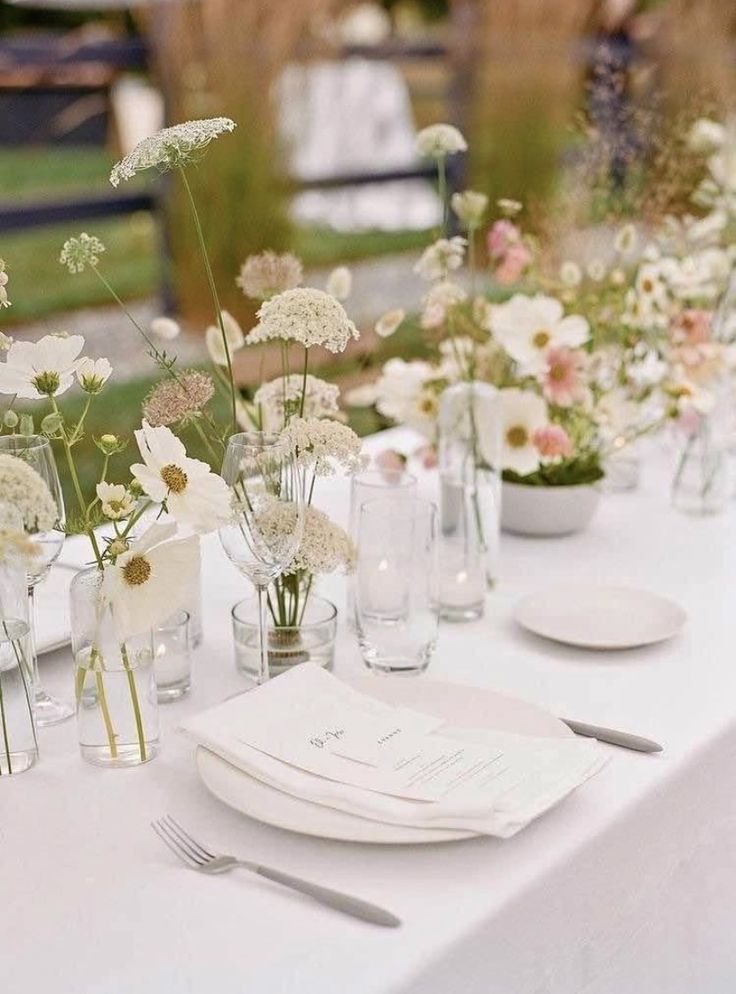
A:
(115, 501)
(389, 322)
(439, 140)
(171, 147)
(233, 334)
(522, 414)
(305, 315)
(40, 369)
(194, 495)
(340, 283)
(93, 374)
(151, 580)
(527, 327)
(440, 258)
(165, 328)
(470, 206)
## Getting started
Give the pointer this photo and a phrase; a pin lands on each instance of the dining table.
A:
(628, 885)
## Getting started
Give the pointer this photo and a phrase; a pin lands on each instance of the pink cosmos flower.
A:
(514, 264)
(501, 236)
(390, 460)
(427, 454)
(552, 443)
(561, 381)
(692, 327)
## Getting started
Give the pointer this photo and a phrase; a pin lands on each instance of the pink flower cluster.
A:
(508, 254)
(691, 327)
(553, 443)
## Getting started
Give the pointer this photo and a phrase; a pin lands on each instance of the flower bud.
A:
(26, 425)
(10, 419)
(51, 424)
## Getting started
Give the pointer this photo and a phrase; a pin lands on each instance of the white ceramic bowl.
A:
(527, 510)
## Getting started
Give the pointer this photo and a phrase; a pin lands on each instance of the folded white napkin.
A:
(307, 733)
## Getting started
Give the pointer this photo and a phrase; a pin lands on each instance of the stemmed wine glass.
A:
(36, 452)
(267, 523)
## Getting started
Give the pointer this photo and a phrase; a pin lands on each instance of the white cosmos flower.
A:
(441, 258)
(233, 334)
(115, 500)
(389, 322)
(166, 328)
(194, 495)
(527, 327)
(340, 283)
(93, 374)
(439, 140)
(40, 369)
(401, 394)
(152, 580)
(522, 413)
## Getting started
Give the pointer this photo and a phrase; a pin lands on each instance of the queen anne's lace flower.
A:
(282, 398)
(305, 315)
(470, 206)
(439, 140)
(78, 253)
(173, 401)
(263, 276)
(171, 147)
(322, 443)
(441, 257)
(24, 488)
(324, 548)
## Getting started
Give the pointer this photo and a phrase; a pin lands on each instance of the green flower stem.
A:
(6, 740)
(105, 711)
(77, 487)
(213, 291)
(304, 381)
(155, 351)
(134, 699)
(442, 190)
(25, 671)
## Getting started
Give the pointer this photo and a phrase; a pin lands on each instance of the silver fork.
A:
(194, 855)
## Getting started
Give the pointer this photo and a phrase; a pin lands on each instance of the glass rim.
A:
(409, 506)
(331, 613)
(254, 439)
(29, 442)
(174, 622)
(359, 478)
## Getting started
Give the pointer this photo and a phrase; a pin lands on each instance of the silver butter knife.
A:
(614, 737)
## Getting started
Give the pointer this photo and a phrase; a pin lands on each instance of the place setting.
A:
(293, 635)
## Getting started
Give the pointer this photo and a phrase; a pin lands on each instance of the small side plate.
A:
(600, 617)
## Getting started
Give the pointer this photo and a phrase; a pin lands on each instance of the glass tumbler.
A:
(172, 657)
(396, 588)
(370, 485)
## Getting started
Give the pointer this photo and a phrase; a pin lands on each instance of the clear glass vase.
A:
(469, 466)
(312, 640)
(18, 742)
(702, 480)
(115, 688)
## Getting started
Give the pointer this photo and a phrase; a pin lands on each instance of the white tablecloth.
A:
(629, 886)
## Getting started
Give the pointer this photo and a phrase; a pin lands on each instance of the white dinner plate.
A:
(600, 617)
(462, 706)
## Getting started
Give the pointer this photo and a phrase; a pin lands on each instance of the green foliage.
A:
(585, 469)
